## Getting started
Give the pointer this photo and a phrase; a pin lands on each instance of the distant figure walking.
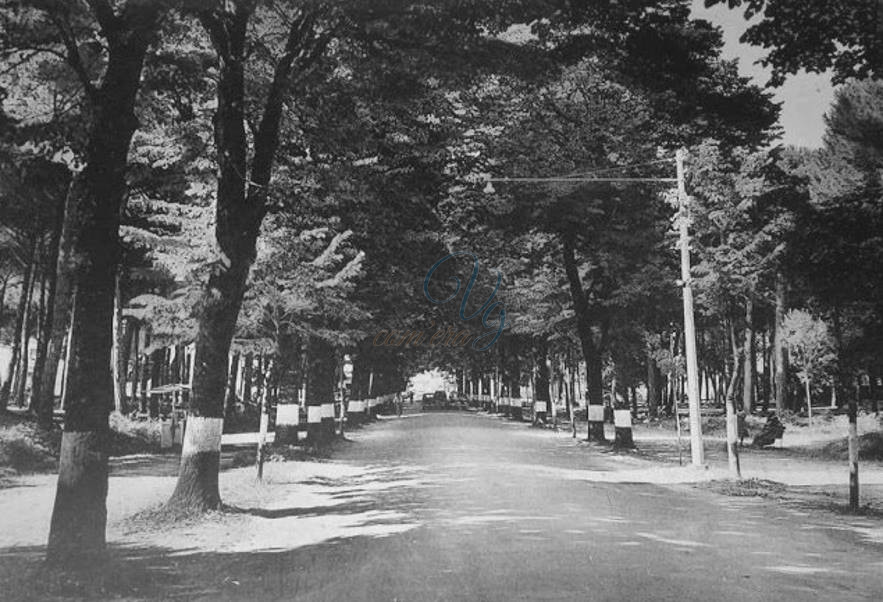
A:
(399, 404)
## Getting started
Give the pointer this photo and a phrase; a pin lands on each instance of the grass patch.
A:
(745, 487)
(27, 449)
(870, 448)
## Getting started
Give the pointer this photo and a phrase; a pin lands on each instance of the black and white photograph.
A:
(441, 300)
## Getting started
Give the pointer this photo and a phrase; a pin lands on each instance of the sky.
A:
(805, 97)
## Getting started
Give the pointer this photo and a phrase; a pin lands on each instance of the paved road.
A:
(490, 510)
(457, 506)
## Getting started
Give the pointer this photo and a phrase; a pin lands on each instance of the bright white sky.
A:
(805, 97)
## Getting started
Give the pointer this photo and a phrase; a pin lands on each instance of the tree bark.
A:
(732, 420)
(247, 377)
(653, 386)
(51, 337)
(117, 356)
(320, 391)
(230, 389)
(591, 352)
(780, 353)
(748, 356)
(21, 376)
(20, 317)
(542, 382)
(91, 232)
(241, 203)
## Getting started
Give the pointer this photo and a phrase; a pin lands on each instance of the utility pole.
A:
(698, 453)
(696, 449)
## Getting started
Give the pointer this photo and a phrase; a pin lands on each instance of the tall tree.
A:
(241, 203)
(110, 75)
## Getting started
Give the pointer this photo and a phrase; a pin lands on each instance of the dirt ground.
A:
(397, 490)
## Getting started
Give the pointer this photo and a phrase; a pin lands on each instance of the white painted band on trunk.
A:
(287, 414)
(372, 403)
(596, 413)
(622, 418)
(202, 435)
(539, 406)
(327, 410)
(314, 414)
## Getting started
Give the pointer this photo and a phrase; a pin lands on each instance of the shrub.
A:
(134, 436)
(22, 451)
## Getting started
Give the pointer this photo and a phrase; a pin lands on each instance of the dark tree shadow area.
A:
(155, 573)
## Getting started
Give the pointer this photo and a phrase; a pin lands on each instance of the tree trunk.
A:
(21, 378)
(57, 327)
(247, 372)
(732, 419)
(591, 353)
(265, 419)
(780, 353)
(91, 234)
(542, 382)
(118, 358)
(320, 392)
(20, 317)
(241, 203)
(51, 337)
(852, 450)
(748, 356)
(230, 389)
(808, 401)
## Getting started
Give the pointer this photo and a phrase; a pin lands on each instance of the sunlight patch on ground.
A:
(872, 534)
(674, 542)
(799, 569)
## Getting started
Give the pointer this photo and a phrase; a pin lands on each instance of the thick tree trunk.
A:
(91, 233)
(320, 392)
(241, 203)
(591, 353)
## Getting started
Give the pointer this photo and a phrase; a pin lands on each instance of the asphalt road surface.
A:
(490, 510)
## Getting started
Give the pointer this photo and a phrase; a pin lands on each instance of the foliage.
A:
(815, 35)
(810, 345)
(24, 452)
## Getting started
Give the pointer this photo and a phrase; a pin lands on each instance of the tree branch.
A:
(107, 19)
(303, 48)
(72, 55)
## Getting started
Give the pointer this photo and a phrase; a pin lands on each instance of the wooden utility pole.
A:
(696, 449)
